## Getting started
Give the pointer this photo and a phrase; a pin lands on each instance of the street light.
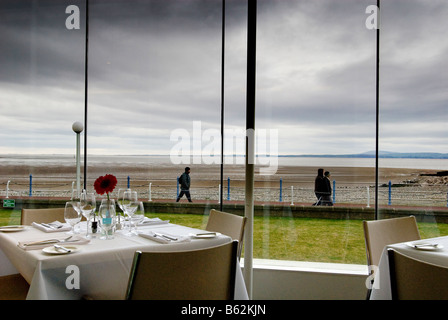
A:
(77, 128)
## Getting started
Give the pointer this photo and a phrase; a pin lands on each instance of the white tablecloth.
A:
(381, 286)
(104, 265)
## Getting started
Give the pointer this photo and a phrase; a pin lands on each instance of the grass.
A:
(287, 238)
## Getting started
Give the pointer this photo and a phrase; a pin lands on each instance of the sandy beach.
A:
(353, 184)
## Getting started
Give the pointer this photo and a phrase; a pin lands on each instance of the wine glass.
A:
(130, 204)
(72, 214)
(107, 217)
(88, 207)
(138, 216)
(120, 205)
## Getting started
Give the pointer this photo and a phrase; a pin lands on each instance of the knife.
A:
(58, 247)
(418, 245)
(165, 236)
(51, 226)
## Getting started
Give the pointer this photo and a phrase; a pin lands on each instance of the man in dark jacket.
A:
(326, 198)
(320, 187)
(184, 182)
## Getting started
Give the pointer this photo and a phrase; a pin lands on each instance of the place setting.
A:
(163, 237)
(54, 226)
(425, 246)
(55, 244)
(204, 235)
(12, 228)
(58, 249)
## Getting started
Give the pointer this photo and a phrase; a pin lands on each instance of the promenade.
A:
(267, 209)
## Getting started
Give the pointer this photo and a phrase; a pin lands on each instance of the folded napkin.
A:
(47, 242)
(163, 237)
(54, 226)
(152, 221)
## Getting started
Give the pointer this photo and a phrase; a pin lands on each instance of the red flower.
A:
(105, 184)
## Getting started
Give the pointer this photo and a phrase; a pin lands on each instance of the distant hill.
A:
(382, 154)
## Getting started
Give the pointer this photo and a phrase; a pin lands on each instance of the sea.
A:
(165, 160)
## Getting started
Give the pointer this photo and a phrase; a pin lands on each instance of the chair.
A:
(13, 287)
(229, 224)
(204, 274)
(412, 279)
(380, 233)
(46, 215)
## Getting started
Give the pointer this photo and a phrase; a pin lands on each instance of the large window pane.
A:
(155, 89)
(316, 86)
(41, 85)
(413, 112)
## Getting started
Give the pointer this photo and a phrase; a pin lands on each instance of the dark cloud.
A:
(155, 66)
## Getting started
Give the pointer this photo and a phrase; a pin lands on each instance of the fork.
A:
(50, 241)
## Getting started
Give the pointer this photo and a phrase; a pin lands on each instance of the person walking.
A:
(320, 187)
(326, 198)
(184, 181)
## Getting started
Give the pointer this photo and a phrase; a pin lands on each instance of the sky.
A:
(154, 70)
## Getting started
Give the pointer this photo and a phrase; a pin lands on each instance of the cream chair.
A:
(229, 224)
(13, 287)
(412, 279)
(204, 274)
(46, 215)
(380, 233)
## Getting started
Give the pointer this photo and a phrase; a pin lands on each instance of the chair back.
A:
(380, 233)
(229, 224)
(204, 274)
(45, 215)
(412, 279)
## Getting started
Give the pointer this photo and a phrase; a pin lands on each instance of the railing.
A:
(233, 190)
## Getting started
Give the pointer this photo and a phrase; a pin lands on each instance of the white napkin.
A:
(54, 226)
(159, 237)
(152, 221)
(36, 244)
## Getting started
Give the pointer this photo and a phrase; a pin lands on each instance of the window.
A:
(154, 107)
(413, 112)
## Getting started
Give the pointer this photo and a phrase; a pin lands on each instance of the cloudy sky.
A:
(155, 70)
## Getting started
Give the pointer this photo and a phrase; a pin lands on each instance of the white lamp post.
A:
(78, 127)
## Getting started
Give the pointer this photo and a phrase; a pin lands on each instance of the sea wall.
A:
(422, 214)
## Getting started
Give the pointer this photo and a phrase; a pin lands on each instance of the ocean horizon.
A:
(164, 160)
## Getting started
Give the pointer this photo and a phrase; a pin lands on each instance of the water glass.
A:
(130, 204)
(120, 205)
(138, 216)
(88, 208)
(72, 214)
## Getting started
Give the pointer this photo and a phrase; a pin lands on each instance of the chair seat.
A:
(13, 287)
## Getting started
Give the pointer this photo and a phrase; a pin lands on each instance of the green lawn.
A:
(287, 238)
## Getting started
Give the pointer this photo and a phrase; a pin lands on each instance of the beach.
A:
(290, 183)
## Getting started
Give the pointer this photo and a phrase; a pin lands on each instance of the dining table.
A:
(432, 250)
(95, 267)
